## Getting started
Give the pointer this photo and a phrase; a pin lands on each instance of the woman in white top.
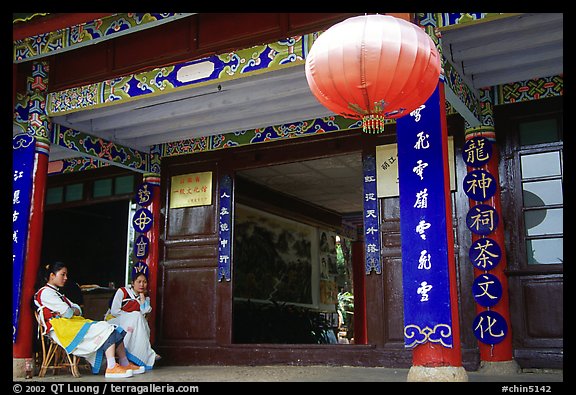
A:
(128, 309)
(62, 320)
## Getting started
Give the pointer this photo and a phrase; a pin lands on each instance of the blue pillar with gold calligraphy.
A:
(431, 324)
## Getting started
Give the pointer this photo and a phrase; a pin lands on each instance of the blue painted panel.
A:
(422, 183)
(22, 171)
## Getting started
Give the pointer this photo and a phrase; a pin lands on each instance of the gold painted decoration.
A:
(191, 190)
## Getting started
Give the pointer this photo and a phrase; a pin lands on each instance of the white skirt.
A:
(137, 339)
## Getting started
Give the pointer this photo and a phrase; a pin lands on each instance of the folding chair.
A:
(54, 356)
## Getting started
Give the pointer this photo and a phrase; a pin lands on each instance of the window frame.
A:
(87, 178)
(508, 136)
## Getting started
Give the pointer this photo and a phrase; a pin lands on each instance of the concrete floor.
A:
(196, 374)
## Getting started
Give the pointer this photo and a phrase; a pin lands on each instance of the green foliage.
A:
(345, 304)
(346, 309)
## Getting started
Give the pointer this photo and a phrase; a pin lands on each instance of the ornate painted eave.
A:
(291, 51)
(163, 80)
(261, 135)
(461, 96)
(89, 33)
(25, 17)
(218, 68)
(458, 93)
(98, 149)
(256, 60)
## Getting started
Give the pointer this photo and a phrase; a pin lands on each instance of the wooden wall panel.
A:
(392, 270)
(191, 221)
(227, 28)
(539, 305)
(192, 253)
(298, 21)
(544, 320)
(189, 304)
(185, 39)
(168, 40)
(189, 250)
(394, 300)
(384, 297)
(72, 67)
(375, 310)
(536, 312)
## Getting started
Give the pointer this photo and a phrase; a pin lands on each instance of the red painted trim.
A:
(503, 350)
(22, 348)
(430, 354)
(359, 277)
(52, 23)
(14, 84)
(152, 260)
(455, 352)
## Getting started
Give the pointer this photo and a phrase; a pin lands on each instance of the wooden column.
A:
(154, 236)
(359, 279)
(502, 351)
(39, 128)
(488, 250)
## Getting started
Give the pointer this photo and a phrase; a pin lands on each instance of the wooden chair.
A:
(54, 356)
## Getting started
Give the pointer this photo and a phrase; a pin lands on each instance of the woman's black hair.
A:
(136, 274)
(44, 273)
(138, 269)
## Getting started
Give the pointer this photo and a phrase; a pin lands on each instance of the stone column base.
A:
(440, 373)
(501, 368)
(18, 368)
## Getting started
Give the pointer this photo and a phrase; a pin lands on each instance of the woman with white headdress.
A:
(128, 309)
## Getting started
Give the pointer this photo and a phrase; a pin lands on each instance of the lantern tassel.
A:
(373, 123)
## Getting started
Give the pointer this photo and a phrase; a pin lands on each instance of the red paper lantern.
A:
(373, 67)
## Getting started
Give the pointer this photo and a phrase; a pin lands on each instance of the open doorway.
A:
(93, 241)
(293, 271)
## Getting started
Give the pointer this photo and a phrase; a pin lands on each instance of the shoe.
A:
(135, 368)
(157, 357)
(118, 372)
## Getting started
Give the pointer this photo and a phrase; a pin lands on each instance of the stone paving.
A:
(281, 373)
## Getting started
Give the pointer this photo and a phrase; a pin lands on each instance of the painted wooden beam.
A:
(100, 149)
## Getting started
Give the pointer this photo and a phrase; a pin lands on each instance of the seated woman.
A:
(128, 309)
(80, 336)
